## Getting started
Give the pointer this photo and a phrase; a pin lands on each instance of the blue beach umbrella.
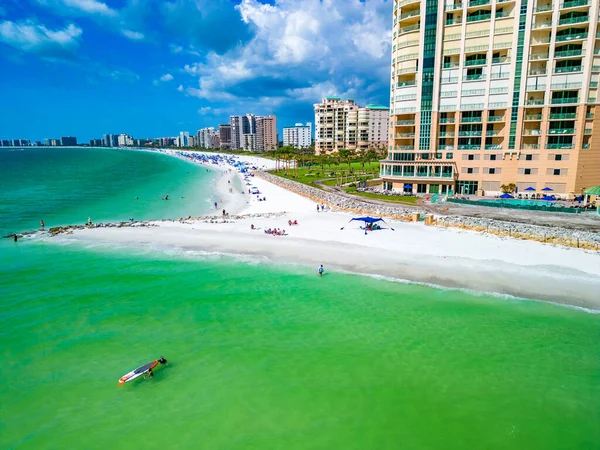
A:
(547, 189)
(547, 198)
(408, 186)
(506, 196)
(529, 188)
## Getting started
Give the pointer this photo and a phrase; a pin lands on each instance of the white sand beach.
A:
(442, 256)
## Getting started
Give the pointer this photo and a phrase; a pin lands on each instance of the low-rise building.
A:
(298, 136)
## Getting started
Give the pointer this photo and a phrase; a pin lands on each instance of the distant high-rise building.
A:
(298, 136)
(237, 130)
(124, 140)
(266, 133)
(184, 139)
(225, 136)
(206, 137)
(249, 142)
(96, 142)
(107, 141)
(68, 141)
(47, 142)
(342, 124)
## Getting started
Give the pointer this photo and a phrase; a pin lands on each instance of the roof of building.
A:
(377, 107)
(332, 97)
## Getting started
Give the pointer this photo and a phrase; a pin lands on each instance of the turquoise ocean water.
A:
(260, 356)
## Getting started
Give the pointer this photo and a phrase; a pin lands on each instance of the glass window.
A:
(556, 172)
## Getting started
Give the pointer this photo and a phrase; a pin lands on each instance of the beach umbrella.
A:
(506, 196)
(367, 220)
(546, 189)
(547, 198)
(408, 186)
(529, 188)
(593, 191)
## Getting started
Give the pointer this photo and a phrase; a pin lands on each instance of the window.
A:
(492, 171)
(528, 157)
(556, 172)
(449, 155)
(492, 157)
(527, 171)
(469, 170)
(470, 157)
(557, 157)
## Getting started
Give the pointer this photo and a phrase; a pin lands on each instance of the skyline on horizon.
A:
(114, 67)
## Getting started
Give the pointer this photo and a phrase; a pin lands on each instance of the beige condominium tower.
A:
(493, 92)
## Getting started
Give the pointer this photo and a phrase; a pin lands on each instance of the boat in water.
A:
(142, 370)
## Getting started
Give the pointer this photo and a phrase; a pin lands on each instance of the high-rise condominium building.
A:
(207, 138)
(342, 124)
(238, 125)
(493, 92)
(266, 133)
(225, 136)
(184, 139)
(298, 136)
(68, 141)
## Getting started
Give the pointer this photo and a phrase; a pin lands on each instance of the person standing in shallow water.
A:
(42, 224)
(321, 270)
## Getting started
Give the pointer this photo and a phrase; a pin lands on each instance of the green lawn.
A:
(385, 198)
(308, 175)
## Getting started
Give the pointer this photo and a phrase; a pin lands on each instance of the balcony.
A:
(587, 131)
(530, 117)
(504, 14)
(496, 119)
(574, 3)
(472, 92)
(410, 14)
(407, 2)
(559, 146)
(478, 33)
(404, 135)
(532, 132)
(561, 131)
(538, 56)
(474, 3)
(477, 48)
(534, 72)
(567, 69)
(449, 80)
(408, 57)
(449, 94)
(453, 7)
(563, 116)
(589, 116)
(447, 120)
(539, 25)
(500, 60)
(405, 122)
(476, 62)
(406, 83)
(493, 133)
(543, 8)
(406, 70)
(475, 77)
(446, 134)
(531, 146)
(405, 147)
(570, 20)
(477, 17)
(409, 29)
(453, 21)
(493, 146)
(536, 87)
(471, 119)
(469, 147)
(572, 37)
(450, 65)
(568, 53)
(593, 84)
(565, 85)
(561, 101)
(452, 37)
(476, 133)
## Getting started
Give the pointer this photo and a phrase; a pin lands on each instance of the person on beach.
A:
(16, 238)
(215, 205)
(321, 270)
(149, 374)
(162, 360)
(318, 209)
(42, 224)
(89, 221)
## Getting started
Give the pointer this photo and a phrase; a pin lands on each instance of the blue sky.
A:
(154, 68)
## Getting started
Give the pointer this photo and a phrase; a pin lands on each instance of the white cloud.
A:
(301, 51)
(207, 110)
(133, 35)
(166, 77)
(92, 7)
(32, 37)
(180, 88)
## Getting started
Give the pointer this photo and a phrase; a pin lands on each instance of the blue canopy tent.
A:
(367, 220)
(529, 188)
(506, 196)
